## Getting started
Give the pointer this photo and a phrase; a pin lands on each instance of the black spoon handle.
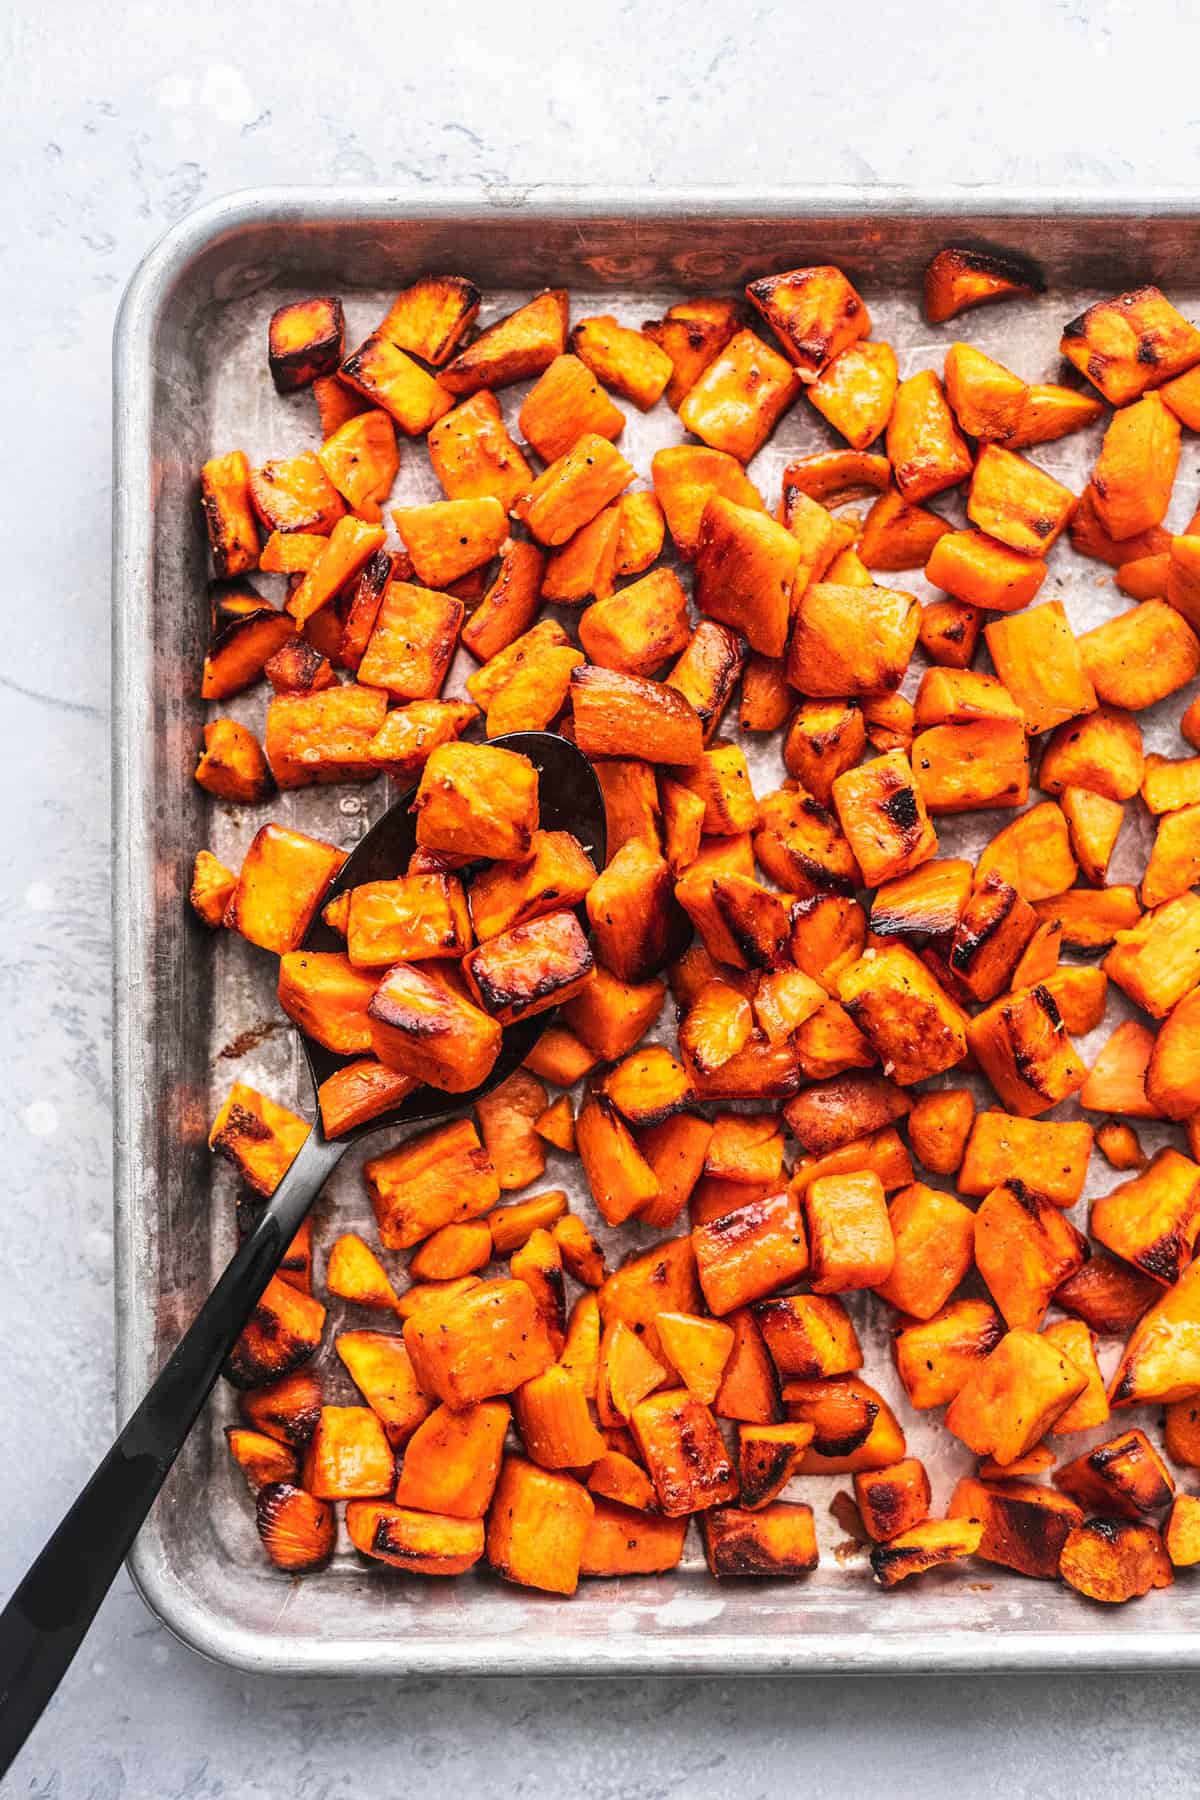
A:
(48, 1616)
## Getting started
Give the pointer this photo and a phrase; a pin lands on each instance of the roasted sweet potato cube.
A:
(855, 391)
(304, 340)
(718, 1024)
(698, 1349)
(721, 778)
(686, 477)
(760, 1071)
(1127, 345)
(636, 630)
(1022, 1045)
(933, 1236)
(513, 1225)
(419, 1026)
(535, 696)
(325, 736)
(899, 535)
(328, 998)
(893, 1499)
(1040, 662)
(611, 1016)
(557, 873)
(516, 347)
(1010, 1400)
(1114, 1560)
(939, 1127)
(799, 845)
(618, 1477)
(348, 1457)
(810, 1336)
(692, 332)
(1024, 1248)
(508, 609)
(281, 1333)
(682, 1448)
(1157, 959)
(747, 1253)
(992, 931)
(260, 1138)
(926, 450)
(297, 667)
(1013, 500)
(815, 313)
(913, 1025)
(824, 740)
(956, 279)
(211, 889)
(1051, 1155)
(260, 1458)
(298, 1531)
(976, 569)
(452, 1252)
(854, 1427)
(1120, 1145)
(335, 402)
(449, 538)
(626, 715)
(360, 459)
(1090, 918)
(349, 547)
(429, 317)
(620, 1178)
(282, 882)
(436, 1178)
(575, 487)
(987, 399)
(1024, 1526)
(934, 1358)
(767, 1458)
(1116, 1081)
(477, 800)
(538, 1263)
(631, 802)
(776, 1541)
(621, 1541)
(229, 515)
(537, 1527)
(1135, 471)
(883, 818)
(378, 1364)
(232, 765)
(390, 379)
(531, 968)
(924, 905)
(1160, 1361)
(1033, 853)
(1181, 1534)
(586, 564)
(1172, 1078)
(926, 1546)
(506, 1119)
(565, 404)
(850, 1239)
(245, 633)
(1152, 1220)
(623, 358)
(659, 1280)
(413, 918)
(1095, 824)
(740, 397)
(474, 457)
(626, 1373)
(478, 1344)
(675, 1151)
(1140, 657)
(412, 642)
(851, 640)
(419, 1543)
(746, 565)
(649, 1086)
(833, 1113)
(286, 1409)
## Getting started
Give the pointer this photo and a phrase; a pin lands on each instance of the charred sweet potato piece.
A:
(1089, 918)
(908, 1018)
(739, 398)
(557, 873)
(832, 1113)
(282, 1332)
(260, 1458)
(1152, 1220)
(297, 667)
(1160, 1360)
(1139, 658)
(815, 313)
(1127, 345)
(1012, 1398)
(1023, 1047)
(893, 1499)
(298, 1531)
(287, 1409)
(810, 1336)
(851, 640)
(391, 379)
(855, 391)
(682, 1448)
(516, 347)
(623, 358)
(686, 477)
(933, 1237)
(883, 817)
(1124, 1478)
(1024, 1526)
(229, 515)
(625, 715)
(854, 1427)
(245, 633)
(924, 904)
(949, 632)
(718, 859)
(767, 1458)
(419, 1543)
(747, 1253)
(648, 1086)
(1114, 1560)
(429, 317)
(1051, 1155)
(436, 1178)
(926, 450)
(350, 545)
(1157, 959)
(776, 1541)
(828, 934)
(746, 566)
(956, 279)
(260, 1138)
(1024, 1249)
(1135, 471)
(420, 1027)
(692, 333)
(721, 778)
(531, 968)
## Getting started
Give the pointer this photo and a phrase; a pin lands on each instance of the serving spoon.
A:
(48, 1615)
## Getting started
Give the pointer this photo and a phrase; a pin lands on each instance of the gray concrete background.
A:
(117, 119)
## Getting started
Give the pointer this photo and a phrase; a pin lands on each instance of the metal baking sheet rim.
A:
(689, 1650)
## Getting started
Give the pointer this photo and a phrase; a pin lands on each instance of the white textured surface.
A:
(118, 119)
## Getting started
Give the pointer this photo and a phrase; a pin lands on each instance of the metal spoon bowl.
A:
(48, 1615)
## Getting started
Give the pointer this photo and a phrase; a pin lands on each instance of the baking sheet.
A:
(201, 1560)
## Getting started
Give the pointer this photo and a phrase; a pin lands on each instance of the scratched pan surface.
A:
(196, 1012)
